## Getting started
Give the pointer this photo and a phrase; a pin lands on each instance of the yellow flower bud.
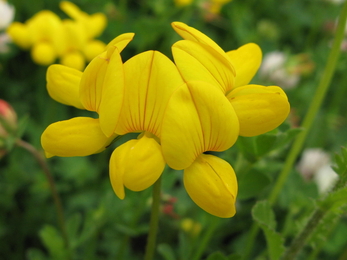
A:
(19, 35)
(73, 60)
(43, 53)
(93, 48)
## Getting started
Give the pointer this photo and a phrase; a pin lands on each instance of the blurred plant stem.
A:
(206, 239)
(306, 125)
(57, 201)
(153, 225)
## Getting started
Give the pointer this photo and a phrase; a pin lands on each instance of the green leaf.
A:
(252, 183)
(35, 254)
(234, 257)
(217, 256)
(264, 216)
(265, 143)
(334, 200)
(53, 242)
(166, 251)
(73, 225)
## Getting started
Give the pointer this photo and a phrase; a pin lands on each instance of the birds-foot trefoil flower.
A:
(259, 109)
(95, 90)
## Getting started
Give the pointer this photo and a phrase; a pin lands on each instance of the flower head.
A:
(71, 40)
(199, 58)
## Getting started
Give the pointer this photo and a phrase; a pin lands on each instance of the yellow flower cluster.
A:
(70, 40)
(181, 110)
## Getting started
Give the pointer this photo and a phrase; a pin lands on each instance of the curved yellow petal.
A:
(71, 10)
(79, 136)
(260, 109)
(99, 73)
(196, 61)
(63, 85)
(246, 61)
(96, 23)
(150, 79)
(121, 41)
(136, 164)
(211, 183)
(112, 94)
(198, 118)
(192, 34)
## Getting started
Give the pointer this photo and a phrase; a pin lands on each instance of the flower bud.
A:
(8, 125)
(8, 118)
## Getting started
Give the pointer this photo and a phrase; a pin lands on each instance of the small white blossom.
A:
(315, 164)
(6, 14)
(274, 69)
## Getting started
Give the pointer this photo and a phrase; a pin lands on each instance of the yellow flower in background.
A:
(99, 89)
(70, 40)
(181, 3)
(259, 109)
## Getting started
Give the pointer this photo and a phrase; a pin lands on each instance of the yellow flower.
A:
(181, 3)
(150, 80)
(259, 109)
(198, 119)
(81, 136)
(129, 97)
(49, 38)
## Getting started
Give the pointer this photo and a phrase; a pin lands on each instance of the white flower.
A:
(311, 161)
(315, 164)
(274, 69)
(6, 14)
(325, 179)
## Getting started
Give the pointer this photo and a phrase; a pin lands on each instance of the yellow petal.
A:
(211, 183)
(71, 9)
(121, 41)
(43, 53)
(63, 85)
(19, 34)
(136, 164)
(96, 24)
(246, 61)
(150, 79)
(112, 94)
(196, 61)
(92, 82)
(79, 136)
(93, 79)
(73, 59)
(260, 109)
(198, 118)
(192, 34)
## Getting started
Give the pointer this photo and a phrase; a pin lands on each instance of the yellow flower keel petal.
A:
(136, 164)
(79, 136)
(259, 109)
(211, 183)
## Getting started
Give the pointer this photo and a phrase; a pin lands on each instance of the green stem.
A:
(153, 225)
(315, 105)
(301, 239)
(206, 239)
(308, 120)
(250, 240)
(57, 201)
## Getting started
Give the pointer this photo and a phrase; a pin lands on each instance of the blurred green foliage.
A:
(99, 225)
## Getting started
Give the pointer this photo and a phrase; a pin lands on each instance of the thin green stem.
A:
(301, 239)
(56, 198)
(307, 122)
(153, 225)
(250, 240)
(206, 239)
(314, 107)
